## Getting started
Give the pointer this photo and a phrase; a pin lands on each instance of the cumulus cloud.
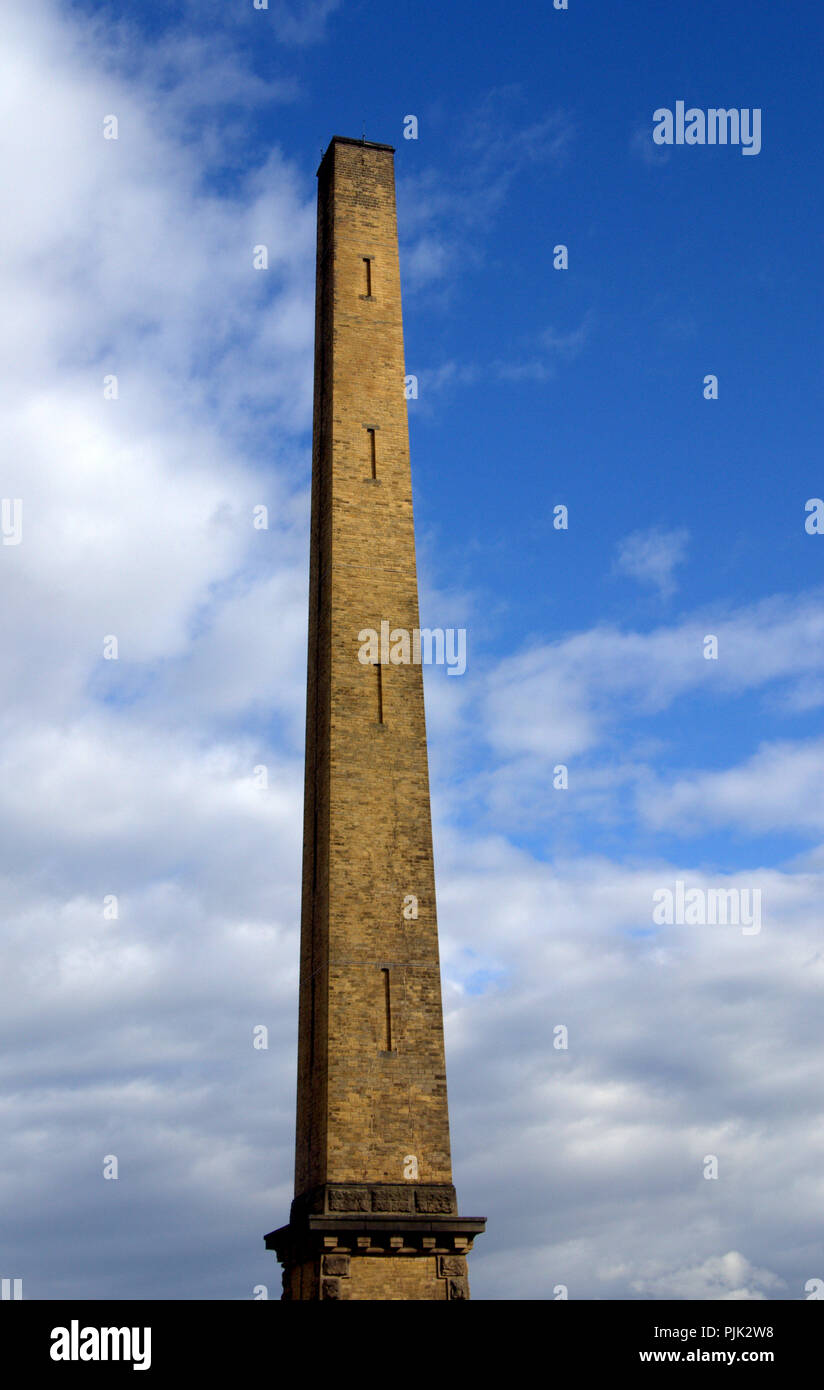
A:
(682, 1042)
(778, 788)
(134, 780)
(721, 1277)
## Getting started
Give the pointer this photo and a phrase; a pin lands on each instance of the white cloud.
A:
(778, 788)
(682, 1042)
(134, 777)
(651, 556)
(293, 23)
(564, 698)
(721, 1277)
(642, 146)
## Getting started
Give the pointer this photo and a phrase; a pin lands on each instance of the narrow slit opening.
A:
(388, 1009)
(373, 454)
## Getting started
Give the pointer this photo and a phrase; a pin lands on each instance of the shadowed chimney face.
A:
(373, 1176)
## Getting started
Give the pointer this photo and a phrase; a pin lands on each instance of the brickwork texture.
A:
(372, 1099)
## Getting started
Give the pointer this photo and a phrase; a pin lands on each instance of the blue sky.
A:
(537, 387)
